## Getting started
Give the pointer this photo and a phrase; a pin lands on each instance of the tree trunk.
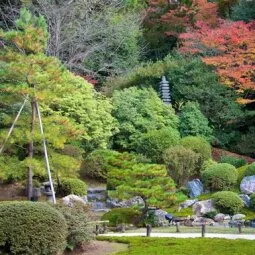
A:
(30, 152)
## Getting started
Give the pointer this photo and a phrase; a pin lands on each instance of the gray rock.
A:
(246, 200)
(70, 200)
(202, 207)
(227, 217)
(115, 203)
(195, 188)
(159, 218)
(247, 185)
(220, 217)
(201, 220)
(238, 217)
(187, 203)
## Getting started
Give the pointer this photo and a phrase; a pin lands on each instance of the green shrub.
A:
(227, 202)
(181, 163)
(252, 201)
(73, 186)
(96, 164)
(199, 145)
(31, 228)
(250, 170)
(193, 122)
(208, 163)
(221, 176)
(241, 172)
(236, 162)
(122, 215)
(79, 230)
(153, 144)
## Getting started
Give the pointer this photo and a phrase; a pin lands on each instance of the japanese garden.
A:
(127, 127)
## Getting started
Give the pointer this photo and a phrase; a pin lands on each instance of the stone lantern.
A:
(164, 91)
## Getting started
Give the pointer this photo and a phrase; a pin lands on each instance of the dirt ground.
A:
(99, 248)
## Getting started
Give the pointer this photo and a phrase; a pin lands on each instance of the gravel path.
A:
(185, 235)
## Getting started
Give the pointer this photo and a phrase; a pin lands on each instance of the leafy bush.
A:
(199, 145)
(208, 163)
(31, 228)
(241, 171)
(244, 10)
(236, 162)
(193, 122)
(181, 163)
(122, 215)
(227, 202)
(96, 164)
(153, 144)
(221, 176)
(73, 186)
(79, 230)
(139, 111)
(250, 170)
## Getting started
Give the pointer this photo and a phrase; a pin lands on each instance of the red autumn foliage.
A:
(230, 48)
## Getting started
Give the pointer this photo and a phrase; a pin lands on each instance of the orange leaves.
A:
(229, 47)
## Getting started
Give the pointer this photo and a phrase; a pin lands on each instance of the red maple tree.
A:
(230, 47)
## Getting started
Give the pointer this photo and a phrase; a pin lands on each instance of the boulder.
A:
(238, 217)
(187, 203)
(198, 221)
(247, 185)
(70, 200)
(195, 188)
(159, 218)
(220, 217)
(246, 200)
(202, 207)
(134, 201)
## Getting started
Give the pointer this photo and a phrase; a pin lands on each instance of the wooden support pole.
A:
(46, 154)
(203, 230)
(148, 230)
(13, 124)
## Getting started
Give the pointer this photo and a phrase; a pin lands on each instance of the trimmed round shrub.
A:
(153, 144)
(31, 228)
(221, 176)
(241, 172)
(96, 164)
(73, 186)
(227, 202)
(250, 170)
(122, 215)
(208, 163)
(252, 201)
(236, 162)
(199, 145)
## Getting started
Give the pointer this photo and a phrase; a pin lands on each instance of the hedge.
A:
(227, 202)
(73, 186)
(31, 228)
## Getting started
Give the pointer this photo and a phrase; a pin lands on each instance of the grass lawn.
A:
(175, 246)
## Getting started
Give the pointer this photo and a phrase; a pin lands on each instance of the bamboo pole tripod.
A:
(43, 141)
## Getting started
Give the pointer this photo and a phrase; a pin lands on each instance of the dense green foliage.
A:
(190, 246)
(181, 163)
(139, 111)
(97, 163)
(31, 228)
(122, 216)
(149, 181)
(227, 202)
(221, 176)
(236, 162)
(193, 122)
(72, 186)
(79, 229)
(243, 10)
(250, 170)
(153, 144)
